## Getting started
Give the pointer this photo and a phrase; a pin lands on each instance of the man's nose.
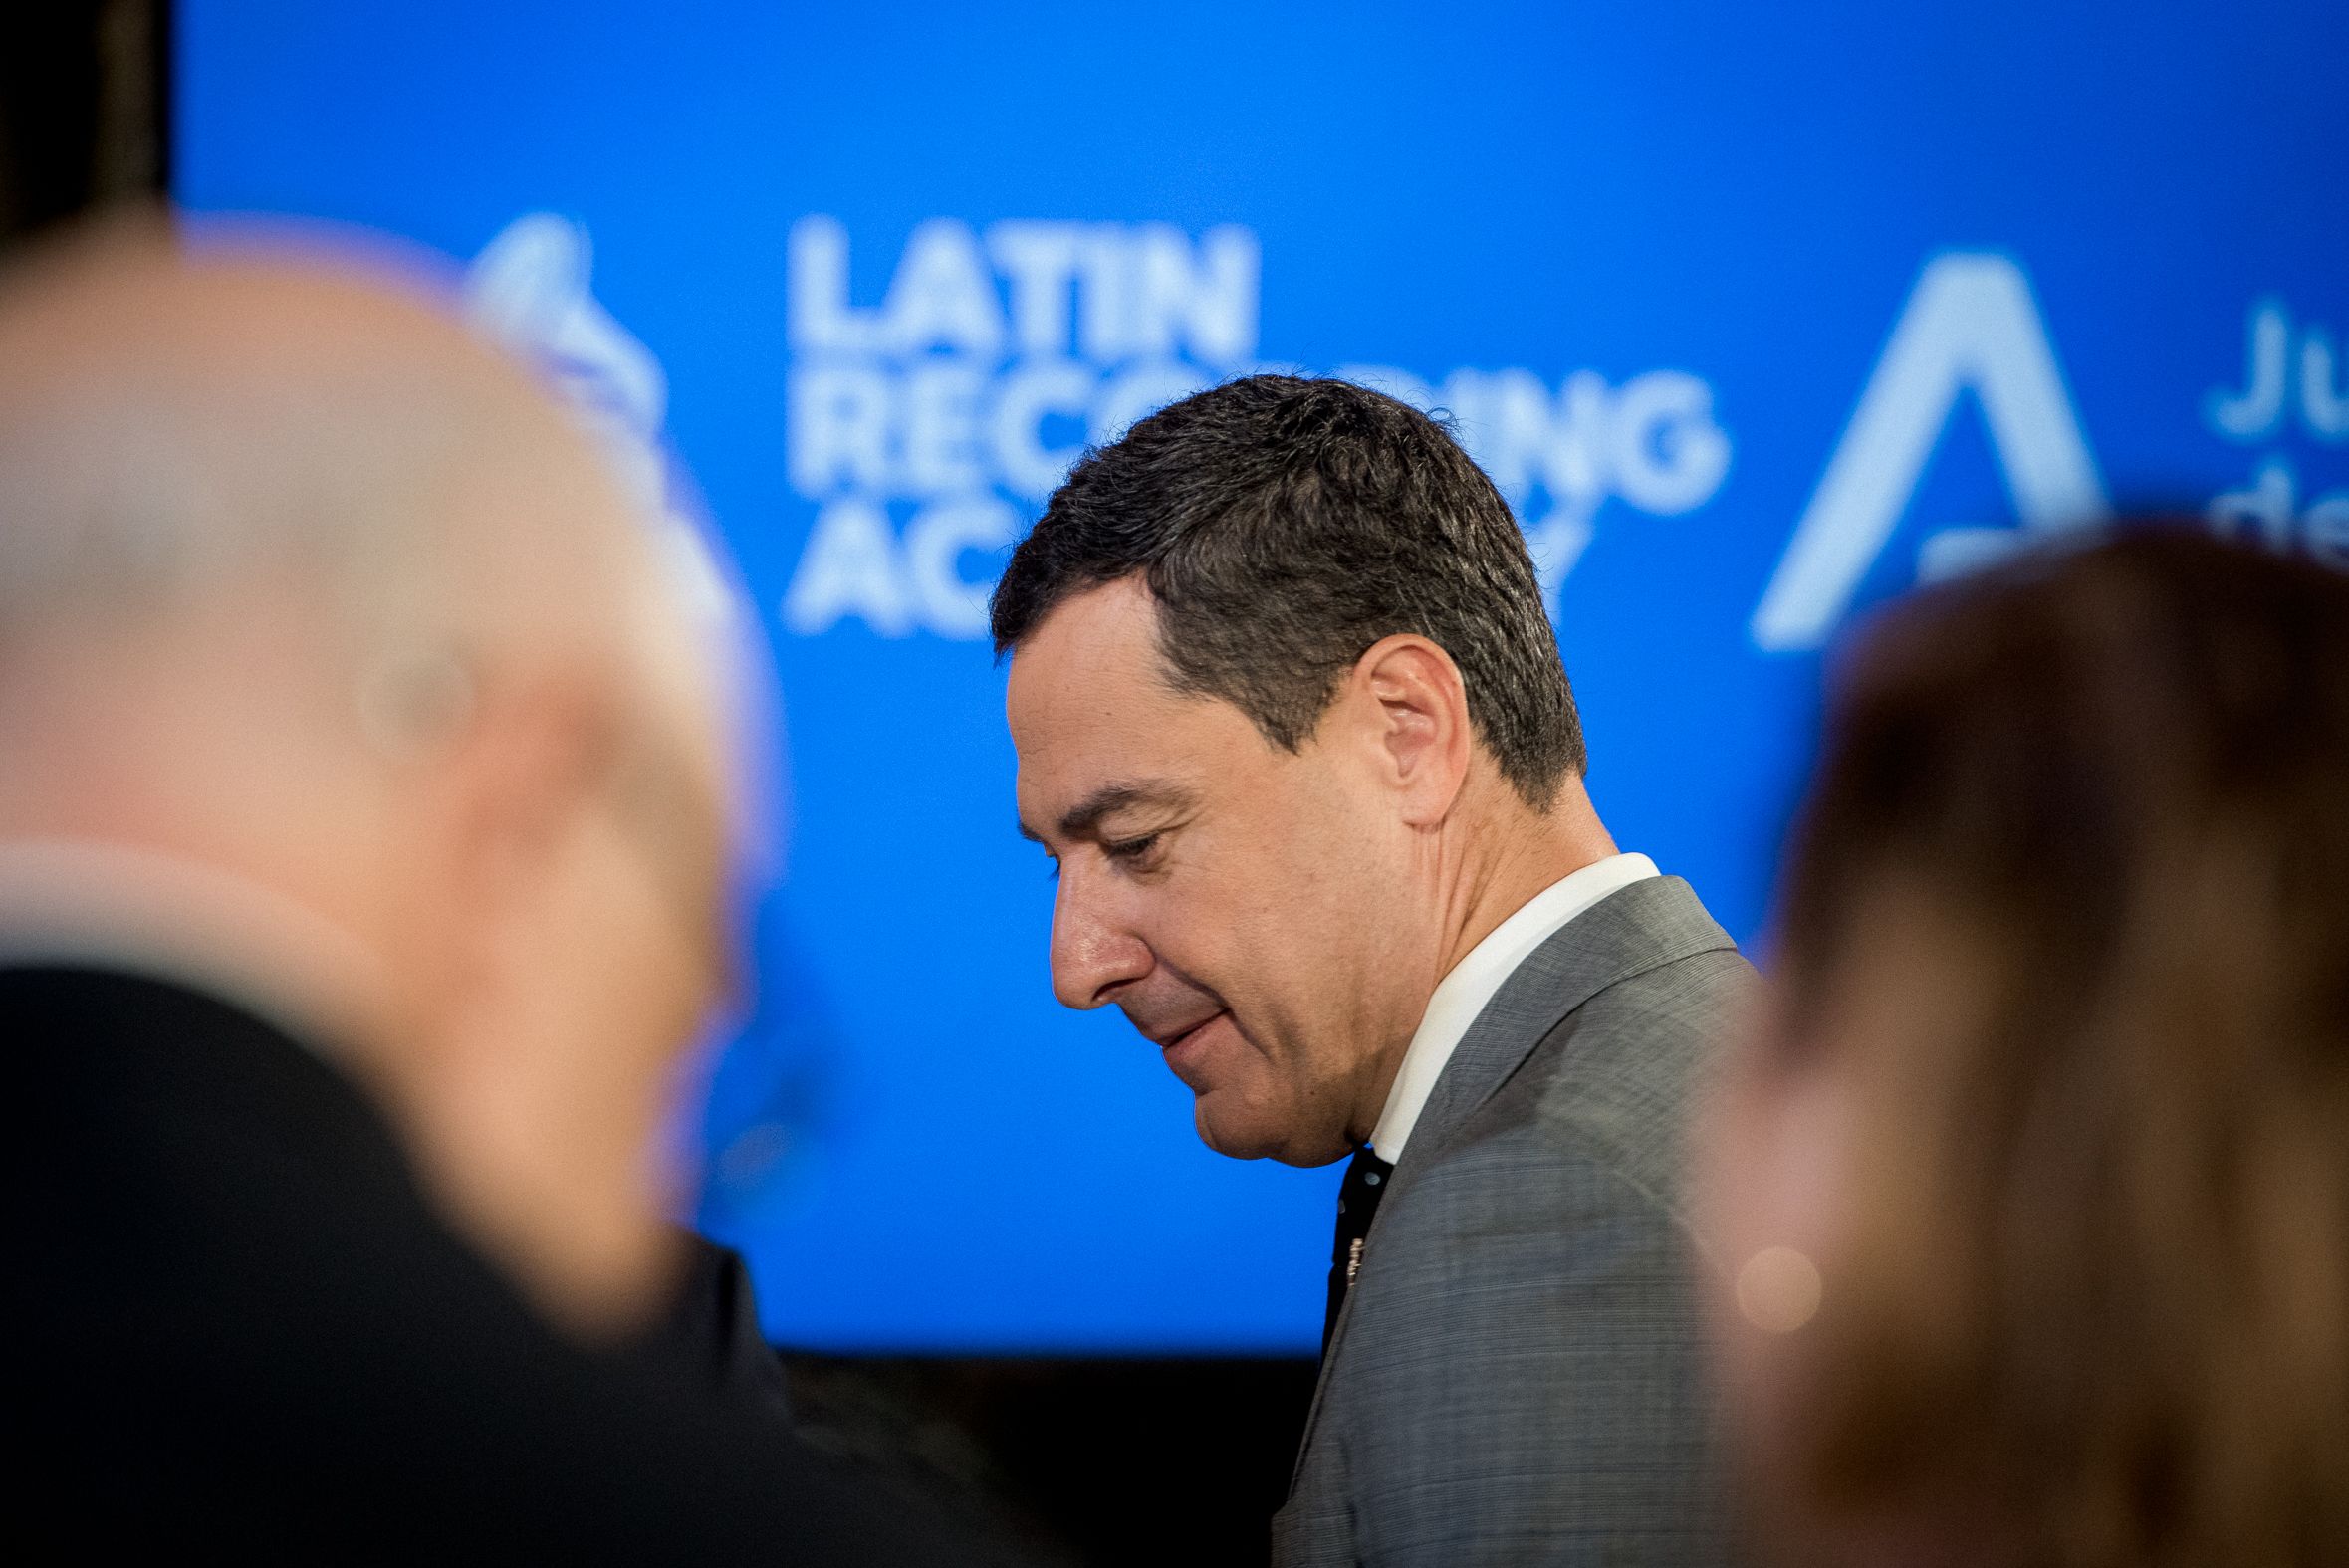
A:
(1093, 954)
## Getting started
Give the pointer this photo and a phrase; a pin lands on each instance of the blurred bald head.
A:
(184, 426)
(308, 594)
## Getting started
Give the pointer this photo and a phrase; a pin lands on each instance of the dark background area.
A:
(1119, 1462)
(83, 109)
(1074, 1452)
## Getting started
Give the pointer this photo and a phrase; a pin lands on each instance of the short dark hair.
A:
(1285, 524)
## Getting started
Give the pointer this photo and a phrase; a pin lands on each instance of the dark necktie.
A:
(1357, 1201)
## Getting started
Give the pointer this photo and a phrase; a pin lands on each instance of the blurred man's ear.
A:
(1409, 694)
(518, 778)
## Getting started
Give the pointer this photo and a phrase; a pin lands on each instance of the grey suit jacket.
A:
(1514, 1378)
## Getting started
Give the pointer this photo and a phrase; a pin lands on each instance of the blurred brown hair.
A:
(2098, 1311)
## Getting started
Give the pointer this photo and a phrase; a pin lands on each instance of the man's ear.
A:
(1410, 694)
(518, 774)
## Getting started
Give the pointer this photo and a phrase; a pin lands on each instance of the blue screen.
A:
(1759, 313)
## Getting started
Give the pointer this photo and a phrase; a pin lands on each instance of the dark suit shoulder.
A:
(237, 1320)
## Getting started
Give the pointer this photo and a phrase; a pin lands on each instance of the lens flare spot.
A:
(1778, 1290)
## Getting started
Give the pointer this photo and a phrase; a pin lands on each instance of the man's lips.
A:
(1179, 1044)
(1177, 1040)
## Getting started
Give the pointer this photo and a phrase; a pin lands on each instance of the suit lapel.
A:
(1650, 923)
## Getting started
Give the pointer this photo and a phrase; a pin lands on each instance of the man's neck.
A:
(1506, 855)
(1511, 859)
(94, 900)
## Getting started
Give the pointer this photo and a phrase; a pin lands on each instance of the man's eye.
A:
(1130, 850)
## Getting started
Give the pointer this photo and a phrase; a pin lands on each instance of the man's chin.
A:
(1248, 1133)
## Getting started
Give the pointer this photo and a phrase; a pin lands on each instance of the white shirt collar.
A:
(1463, 994)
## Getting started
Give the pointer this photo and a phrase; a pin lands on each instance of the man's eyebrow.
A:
(1080, 819)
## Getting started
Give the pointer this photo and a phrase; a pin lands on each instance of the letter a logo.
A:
(1971, 325)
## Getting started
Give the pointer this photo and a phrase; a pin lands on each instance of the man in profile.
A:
(1293, 724)
(362, 842)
